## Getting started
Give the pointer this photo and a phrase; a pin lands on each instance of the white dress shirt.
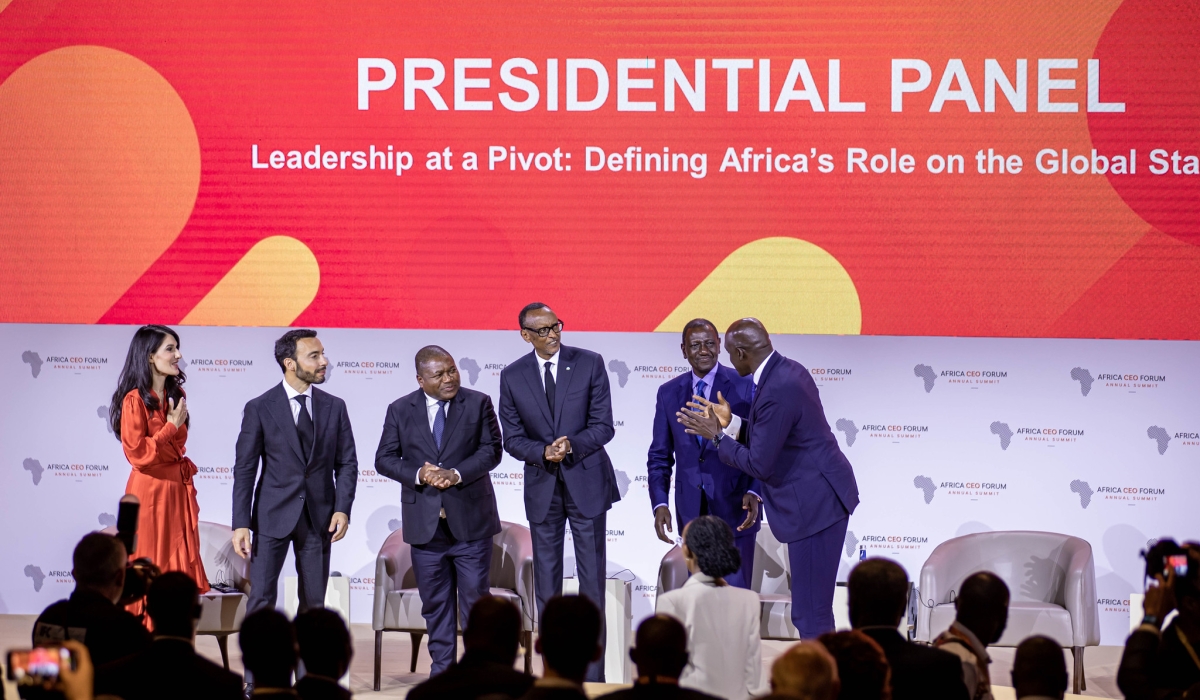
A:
(542, 367)
(722, 623)
(431, 411)
(292, 394)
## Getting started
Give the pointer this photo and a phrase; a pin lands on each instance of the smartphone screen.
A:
(38, 665)
(1179, 562)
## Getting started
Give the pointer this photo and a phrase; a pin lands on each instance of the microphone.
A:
(127, 521)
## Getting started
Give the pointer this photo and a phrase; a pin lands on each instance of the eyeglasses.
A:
(545, 331)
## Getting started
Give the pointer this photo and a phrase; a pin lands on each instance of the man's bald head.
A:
(748, 344)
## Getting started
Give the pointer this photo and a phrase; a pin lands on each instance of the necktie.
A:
(304, 427)
(550, 387)
(439, 423)
(700, 387)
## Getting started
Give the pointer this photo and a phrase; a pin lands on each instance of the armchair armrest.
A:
(393, 562)
(1080, 594)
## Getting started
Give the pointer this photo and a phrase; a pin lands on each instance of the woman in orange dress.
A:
(149, 415)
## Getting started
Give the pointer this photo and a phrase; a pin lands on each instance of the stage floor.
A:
(1101, 662)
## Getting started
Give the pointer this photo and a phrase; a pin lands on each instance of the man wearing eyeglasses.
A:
(556, 411)
(704, 485)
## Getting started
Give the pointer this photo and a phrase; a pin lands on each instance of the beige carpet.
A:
(1101, 662)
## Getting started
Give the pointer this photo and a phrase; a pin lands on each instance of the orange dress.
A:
(169, 519)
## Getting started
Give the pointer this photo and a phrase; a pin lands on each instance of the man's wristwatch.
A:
(716, 441)
(1150, 620)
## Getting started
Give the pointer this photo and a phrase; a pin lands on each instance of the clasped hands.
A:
(705, 418)
(558, 450)
(437, 477)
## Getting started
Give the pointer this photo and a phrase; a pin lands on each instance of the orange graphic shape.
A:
(791, 285)
(271, 285)
(99, 169)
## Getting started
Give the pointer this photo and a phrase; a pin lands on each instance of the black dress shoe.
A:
(248, 690)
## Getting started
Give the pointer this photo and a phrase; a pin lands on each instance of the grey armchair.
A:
(1051, 579)
(221, 613)
(770, 579)
(398, 604)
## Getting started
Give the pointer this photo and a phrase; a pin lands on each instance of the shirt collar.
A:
(759, 372)
(553, 360)
(292, 393)
(967, 635)
(430, 402)
(709, 378)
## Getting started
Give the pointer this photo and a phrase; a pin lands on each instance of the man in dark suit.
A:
(440, 442)
(556, 410)
(704, 485)
(491, 639)
(878, 595)
(301, 436)
(170, 666)
(808, 484)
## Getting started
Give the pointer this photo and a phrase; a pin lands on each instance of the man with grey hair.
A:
(441, 442)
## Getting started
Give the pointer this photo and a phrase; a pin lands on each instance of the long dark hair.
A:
(136, 374)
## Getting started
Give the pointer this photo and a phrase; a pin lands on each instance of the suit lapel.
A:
(321, 407)
(281, 412)
(563, 382)
(419, 415)
(534, 377)
(455, 409)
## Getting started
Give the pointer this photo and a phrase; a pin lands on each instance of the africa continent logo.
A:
(926, 373)
(472, 368)
(34, 468)
(1160, 436)
(623, 482)
(925, 484)
(1085, 492)
(35, 574)
(851, 542)
(621, 370)
(34, 361)
(1005, 433)
(849, 428)
(1084, 378)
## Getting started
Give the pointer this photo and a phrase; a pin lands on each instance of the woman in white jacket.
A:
(722, 621)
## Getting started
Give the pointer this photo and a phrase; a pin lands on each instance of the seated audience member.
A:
(878, 594)
(722, 621)
(91, 614)
(326, 651)
(490, 642)
(170, 665)
(981, 615)
(805, 671)
(861, 665)
(1039, 671)
(268, 645)
(1166, 664)
(568, 642)
(660, 654)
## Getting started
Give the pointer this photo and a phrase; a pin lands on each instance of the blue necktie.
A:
(700, 387)
(439, 424)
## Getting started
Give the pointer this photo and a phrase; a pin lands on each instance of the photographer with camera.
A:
(1163, 664)
(92, 614)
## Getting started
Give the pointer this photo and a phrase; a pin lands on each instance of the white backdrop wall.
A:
(948, 436)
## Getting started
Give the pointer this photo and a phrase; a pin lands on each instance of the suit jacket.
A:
(723, 624)
(919, 672)
(109, 632)
(325, 480)
(470, 443)
(582, 412)
(808, 484)
(310, 688)
(168, 668)
(698, 463)
(472, 677)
